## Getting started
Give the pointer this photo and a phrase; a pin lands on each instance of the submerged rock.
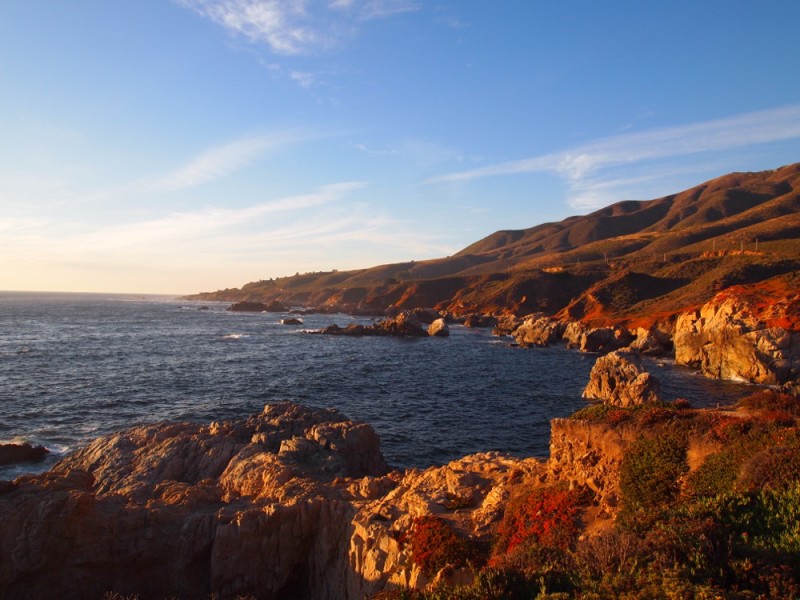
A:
(18, 453)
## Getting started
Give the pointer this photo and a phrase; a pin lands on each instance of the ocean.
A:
(77, 366)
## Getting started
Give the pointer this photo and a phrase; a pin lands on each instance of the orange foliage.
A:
(547, 517)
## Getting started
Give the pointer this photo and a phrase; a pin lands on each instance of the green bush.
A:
(650, 472)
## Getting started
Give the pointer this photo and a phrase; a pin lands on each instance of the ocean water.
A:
(76, 366)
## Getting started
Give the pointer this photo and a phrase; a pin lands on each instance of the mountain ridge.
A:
(740, 227)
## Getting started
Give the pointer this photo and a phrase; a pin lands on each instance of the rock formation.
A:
(538, 330)
(479, 320)
(404, 324)
(247, 306)
(618, 379)
(735, 337)
(291, 503)
(439, 328)
(17, 453)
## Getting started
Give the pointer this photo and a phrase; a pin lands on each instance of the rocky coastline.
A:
(299, 503)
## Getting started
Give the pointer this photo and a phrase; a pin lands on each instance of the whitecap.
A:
(235, 336)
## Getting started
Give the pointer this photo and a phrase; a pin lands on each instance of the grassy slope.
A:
(633, 261)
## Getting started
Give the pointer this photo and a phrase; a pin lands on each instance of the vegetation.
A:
(631, 263)
(435, 545)
(728, 529)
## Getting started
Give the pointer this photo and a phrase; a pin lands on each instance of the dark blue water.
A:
(73, 367)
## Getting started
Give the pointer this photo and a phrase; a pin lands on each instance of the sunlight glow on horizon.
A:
(195, 145)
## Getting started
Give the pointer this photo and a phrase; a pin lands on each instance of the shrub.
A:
(776, 465)
(593, 412)
(771, 400)
(547, 517)
(650, 471)
(617, 415)
(434, 545)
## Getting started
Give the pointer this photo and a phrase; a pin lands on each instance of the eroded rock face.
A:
(729, 338)
(538, 330)
(651, 342)
(259, 506)
(619, 379)
(291, 503)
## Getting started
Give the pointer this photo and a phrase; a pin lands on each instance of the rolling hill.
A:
(629, 260)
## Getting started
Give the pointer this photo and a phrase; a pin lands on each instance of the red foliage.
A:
(779, 418)
(724, 428)
(616, 416)
(434, 545)
(548, 517)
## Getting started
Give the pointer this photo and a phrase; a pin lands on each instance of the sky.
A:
(178, 146)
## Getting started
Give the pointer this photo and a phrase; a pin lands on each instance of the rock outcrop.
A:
(538, 330)
(479, 320)
(735, 337)
(291, 503)
(619, 379)
(596, 339)
(17, 453)
(405, 324)
(439, 328)
(247, 306)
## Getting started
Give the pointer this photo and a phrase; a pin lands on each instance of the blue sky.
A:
(184, 145)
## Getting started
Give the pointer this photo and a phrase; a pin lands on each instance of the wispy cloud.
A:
(191, 226)
(217, 162)
(292, 27)
(581, 165)
(192, 250)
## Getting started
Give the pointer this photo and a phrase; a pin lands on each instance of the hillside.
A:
(617, 263)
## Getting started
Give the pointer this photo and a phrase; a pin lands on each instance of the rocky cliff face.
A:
(291, 503)
(737, 335)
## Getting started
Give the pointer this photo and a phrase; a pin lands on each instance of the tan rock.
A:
(538, 330)
(727, 338)
(439, 328)
(619, 379)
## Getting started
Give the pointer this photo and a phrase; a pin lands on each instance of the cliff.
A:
(298, 503)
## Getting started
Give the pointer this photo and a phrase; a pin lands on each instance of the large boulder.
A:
(439, 328)
(651, 342)
(619, 379)
(538, 330)
(479, 320)
(506, 324)
(732, 337)
(596, 339)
